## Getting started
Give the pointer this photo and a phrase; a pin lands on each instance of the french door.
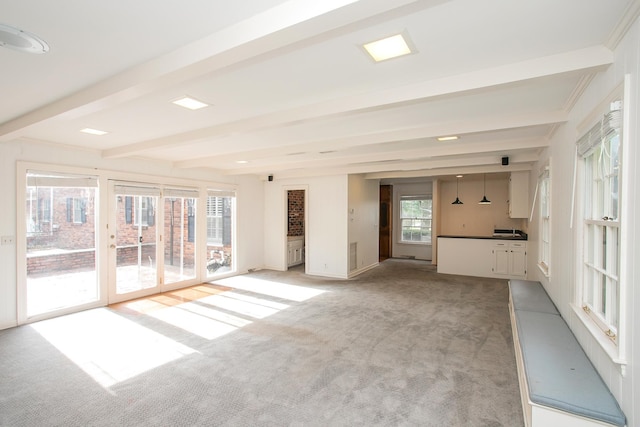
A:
(152, 239)
(133, 241)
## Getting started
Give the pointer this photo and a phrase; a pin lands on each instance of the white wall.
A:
(326, 229)
(364, 217)
(249, 203)
(624, 381)
(398, 249)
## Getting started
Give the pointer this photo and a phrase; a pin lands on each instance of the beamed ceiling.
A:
(291, 90)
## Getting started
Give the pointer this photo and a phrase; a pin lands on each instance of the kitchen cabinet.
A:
(519, 195)
(295, 251)
(510, 259)
(483, 257)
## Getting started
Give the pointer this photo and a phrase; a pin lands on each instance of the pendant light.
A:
(457, 200)
(484, 200)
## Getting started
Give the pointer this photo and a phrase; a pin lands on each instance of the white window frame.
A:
(214, 220)
(610, 335)
(544, 253)
(403, 219)
(601, 261)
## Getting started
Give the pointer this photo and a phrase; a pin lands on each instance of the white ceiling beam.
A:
(418, 173)
(286, 24)
(582, 59)
(513, 167)
(432, 152)
(486, 161)
(408, 134)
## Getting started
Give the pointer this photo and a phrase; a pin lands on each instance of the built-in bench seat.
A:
(558, 383)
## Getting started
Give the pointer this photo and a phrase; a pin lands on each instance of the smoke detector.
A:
(17, 39)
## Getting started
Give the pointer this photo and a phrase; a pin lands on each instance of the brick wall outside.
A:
(59, 242)
(70, 261)
(180, 231)
(296, 212)
(61, 229)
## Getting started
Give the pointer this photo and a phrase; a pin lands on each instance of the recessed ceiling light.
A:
(387, 48)
(241, 162)
(190, 103)
(94, 131)
(459, 176)
(447, 138)
(16, 39)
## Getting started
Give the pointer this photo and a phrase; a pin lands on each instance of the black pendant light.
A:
(484, 200)
(457, 200)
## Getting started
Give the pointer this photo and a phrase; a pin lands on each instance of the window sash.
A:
(600, 151)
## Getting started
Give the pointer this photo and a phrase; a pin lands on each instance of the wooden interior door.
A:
(386, 210)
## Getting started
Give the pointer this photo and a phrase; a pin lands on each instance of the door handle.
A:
(140, 239)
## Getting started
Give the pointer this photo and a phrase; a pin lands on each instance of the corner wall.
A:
(364, 217)
(326, 228)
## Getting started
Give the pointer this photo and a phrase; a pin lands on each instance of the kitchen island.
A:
(503, 255)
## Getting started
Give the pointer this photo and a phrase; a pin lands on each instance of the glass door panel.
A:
(179, 236)
(220, 232)
(61, 242)
(133, 242)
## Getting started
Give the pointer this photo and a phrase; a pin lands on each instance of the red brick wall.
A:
(61, 231)
(71, 261)
(296, 212)
(179, 206)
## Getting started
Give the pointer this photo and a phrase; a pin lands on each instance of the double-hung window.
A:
(415, 219)
(600, 151)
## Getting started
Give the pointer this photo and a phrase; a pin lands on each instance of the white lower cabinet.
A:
(510, 259)
(504, 259)
(295, 252)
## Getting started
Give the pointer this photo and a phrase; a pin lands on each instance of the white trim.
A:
(605, 343)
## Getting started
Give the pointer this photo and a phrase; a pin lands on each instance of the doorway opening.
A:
(296, 227)
(386, 222)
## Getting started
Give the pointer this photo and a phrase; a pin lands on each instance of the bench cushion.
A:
(558, 371)
(530, 296)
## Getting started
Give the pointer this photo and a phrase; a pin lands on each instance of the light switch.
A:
(8, 240)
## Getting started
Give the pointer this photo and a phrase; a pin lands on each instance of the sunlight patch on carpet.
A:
(108, 347)
(270, 288)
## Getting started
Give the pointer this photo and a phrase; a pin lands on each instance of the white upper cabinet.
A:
(519, 195)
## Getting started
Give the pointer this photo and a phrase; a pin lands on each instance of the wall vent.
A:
(353, 256)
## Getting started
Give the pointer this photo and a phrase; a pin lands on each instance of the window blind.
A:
(605, 128)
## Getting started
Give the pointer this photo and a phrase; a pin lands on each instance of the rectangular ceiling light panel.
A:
(94, 131)
(190, 103)
(387, 48)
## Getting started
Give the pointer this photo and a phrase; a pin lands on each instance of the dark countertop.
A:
(522, 236)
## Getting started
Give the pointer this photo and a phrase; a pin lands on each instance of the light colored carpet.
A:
(398, 346)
